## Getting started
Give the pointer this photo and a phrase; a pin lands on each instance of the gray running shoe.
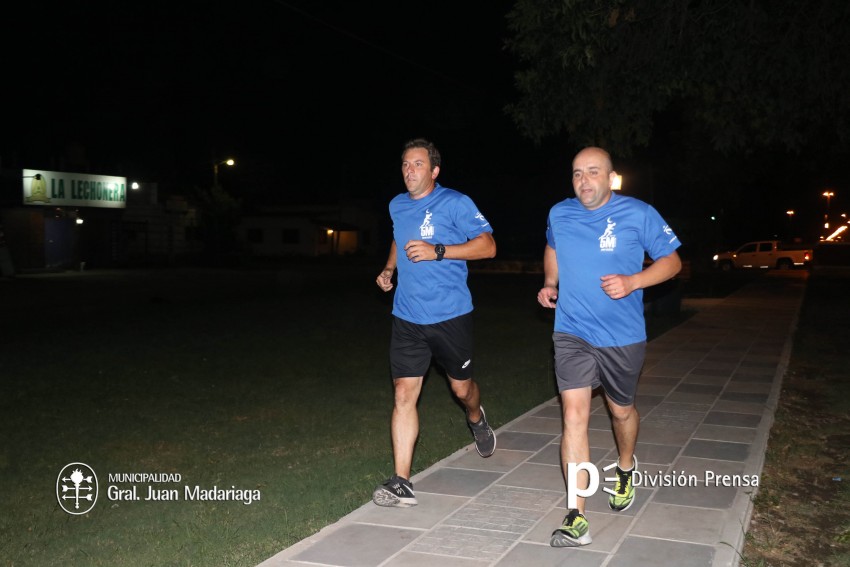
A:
(396, 492)
(485, 437)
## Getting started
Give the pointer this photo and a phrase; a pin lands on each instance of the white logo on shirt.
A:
(426, 229)
(608, 241)
(480, 217)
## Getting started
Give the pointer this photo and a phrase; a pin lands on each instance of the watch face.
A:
(440, 249)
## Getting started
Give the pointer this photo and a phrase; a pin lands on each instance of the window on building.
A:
(290, 236)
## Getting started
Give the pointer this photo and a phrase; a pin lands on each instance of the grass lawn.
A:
(802, 510)
(266, 380)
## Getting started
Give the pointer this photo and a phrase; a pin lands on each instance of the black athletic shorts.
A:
(450, 343)
(617, 369)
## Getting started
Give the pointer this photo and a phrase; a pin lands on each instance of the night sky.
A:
(305, 95)
(313, 100)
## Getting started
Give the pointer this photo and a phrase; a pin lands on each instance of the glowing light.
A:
(837, 233)
(617, 184)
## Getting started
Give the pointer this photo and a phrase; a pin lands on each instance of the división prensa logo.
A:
(76, 488)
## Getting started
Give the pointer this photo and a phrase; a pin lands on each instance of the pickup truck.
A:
(764, 254)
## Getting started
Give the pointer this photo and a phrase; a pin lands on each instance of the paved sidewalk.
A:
(707, 397)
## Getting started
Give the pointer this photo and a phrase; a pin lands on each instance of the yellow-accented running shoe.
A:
(574, 532)
(624, 490)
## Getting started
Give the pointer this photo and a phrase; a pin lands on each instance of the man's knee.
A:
(407, 391)
(622, 413)
(462, 388)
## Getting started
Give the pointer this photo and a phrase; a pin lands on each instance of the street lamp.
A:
(617, 183)
(229, 162)
(829, 195)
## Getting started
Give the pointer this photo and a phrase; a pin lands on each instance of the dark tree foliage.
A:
(771, 74)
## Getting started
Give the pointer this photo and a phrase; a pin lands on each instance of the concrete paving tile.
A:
(720, 357)
(689, 398)
(664, 371)
(715, 380)
(518, 441)
(470, 543)
(549, 410)
(456, 482)
(652, 453)
(665, 435)
(430, 511)
(658, 380)
(600, 438)
(699, 466)
(732, 419)
(597, 402)
(551, 455)
(730, 351)
(600, 421)
(518, 497)
(656, 389)
(504, 519)
(709, 364)
(527, 554)
(741, 376)
(710, 389)
(740, 407)
(680, 523)
(699, 496)
(750, 387)
(541, 477)
(726, 433)
(358, 545)
(722, 450)
(414, 559)
(536, 425)
(744, 397)
(649, 552)
(646, 401)
(761, 362)
(695, 349)
(681, 363)
(502, 460)
(674, 415)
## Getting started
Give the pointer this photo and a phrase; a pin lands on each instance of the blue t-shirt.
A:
(590, 244)
(429, 291)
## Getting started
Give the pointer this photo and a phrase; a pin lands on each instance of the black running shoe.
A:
(485, 438)
(397, 492)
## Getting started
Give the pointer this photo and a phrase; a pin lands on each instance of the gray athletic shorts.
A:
(449, 342)
(579, 364)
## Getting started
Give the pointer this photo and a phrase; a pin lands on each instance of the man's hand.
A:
(385, 279)
(419, 250)
(618, 286)
(548, 297)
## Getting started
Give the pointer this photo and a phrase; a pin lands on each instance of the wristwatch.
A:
(440, 250)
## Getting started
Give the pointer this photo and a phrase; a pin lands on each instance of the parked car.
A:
(764, 254)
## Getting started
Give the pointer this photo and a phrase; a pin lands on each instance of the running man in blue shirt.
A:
(435, 231)
(594, 279)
